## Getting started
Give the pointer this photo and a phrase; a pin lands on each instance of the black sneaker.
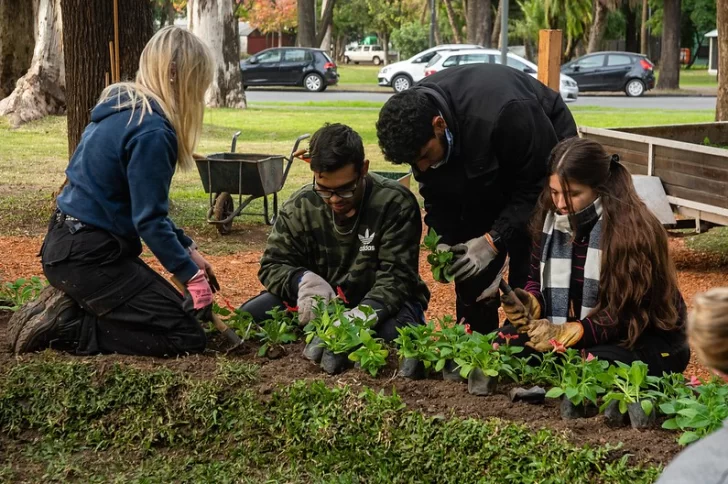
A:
(51, 320)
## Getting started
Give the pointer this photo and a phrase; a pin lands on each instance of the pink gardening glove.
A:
(205, 266)
(200, 290)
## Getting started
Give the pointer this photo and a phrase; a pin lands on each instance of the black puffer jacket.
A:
(504, 124)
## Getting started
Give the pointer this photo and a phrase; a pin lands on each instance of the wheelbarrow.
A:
(244, 174)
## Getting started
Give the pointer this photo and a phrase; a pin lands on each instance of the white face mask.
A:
(448, 137)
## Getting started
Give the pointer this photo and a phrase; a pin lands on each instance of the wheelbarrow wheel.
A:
(224, 207)
(270, 219)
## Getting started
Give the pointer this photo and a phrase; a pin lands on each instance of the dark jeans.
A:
(659, 355)
(482, 316)
(127, 307)
(410, 314)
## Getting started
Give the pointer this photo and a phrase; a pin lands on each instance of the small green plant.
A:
(581, 380)
(481, 351)
(19, 292)
(371, 355)
(631, 384)
(239, 321)
(417, 341)
(448, 340)
(275, 332)
(698, 416)
(439, 260)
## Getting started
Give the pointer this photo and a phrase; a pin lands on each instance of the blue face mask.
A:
(448, 137)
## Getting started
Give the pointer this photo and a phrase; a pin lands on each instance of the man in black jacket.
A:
(478, 139)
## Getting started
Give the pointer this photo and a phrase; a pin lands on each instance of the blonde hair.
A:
(175, 70)
(708, 328)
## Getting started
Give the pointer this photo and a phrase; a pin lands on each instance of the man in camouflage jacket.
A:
(350, 229)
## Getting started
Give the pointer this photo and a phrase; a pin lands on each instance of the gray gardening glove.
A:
(472, 257)
(311, 286)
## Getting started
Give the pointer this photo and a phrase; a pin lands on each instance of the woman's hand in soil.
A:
(310, 287)
(205, 266)
(200, 290)
(520, 307)
(541, 333)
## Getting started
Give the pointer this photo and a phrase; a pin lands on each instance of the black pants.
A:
(482, 316)
(659, 355)
(127, 307)
(410, 314)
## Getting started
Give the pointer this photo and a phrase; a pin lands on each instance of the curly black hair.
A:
(405, 126)
(334, 146)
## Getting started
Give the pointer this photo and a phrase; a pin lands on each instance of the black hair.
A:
(405, 126)
(334, 146)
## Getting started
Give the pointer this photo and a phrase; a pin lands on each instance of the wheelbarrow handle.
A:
(235, 141)
(295, 151)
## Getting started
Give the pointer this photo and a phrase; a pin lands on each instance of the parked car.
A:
(568, 86)
(612, 71)
(402, 75)
(367, 53)
(290, 66)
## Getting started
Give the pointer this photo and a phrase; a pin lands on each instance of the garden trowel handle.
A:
(508, 293)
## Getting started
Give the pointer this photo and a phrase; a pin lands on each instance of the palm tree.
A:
(573, 16)
(601, 9)
(527, 28)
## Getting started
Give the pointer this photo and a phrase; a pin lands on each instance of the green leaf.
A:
(571, 392)
(670, 424)
(263, 349)
(687, 438)
(436, 270)
(555, 392)
(646, 406)
(440, 365)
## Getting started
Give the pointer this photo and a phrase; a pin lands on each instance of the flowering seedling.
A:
(439, 260)
(448, 341)
(580, 380)
(481, 351)
(698, 416)
(324, 316)
(417, 342)
(370, 355)
(239, 321)
(275, 332)
(19, 292)
(631, 384)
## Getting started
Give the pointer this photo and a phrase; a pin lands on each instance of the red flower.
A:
(496, 346)
(289, 308)
(340, 293)
(590, 357)
(694, 382)
(558, 347)
(468, 330)
(228, 305)
(507, 337)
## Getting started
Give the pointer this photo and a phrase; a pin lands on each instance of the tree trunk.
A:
(597, 28)
(721, 106)
(327, 16)
(670, 55)
(213, 22)
(631, 39)
(41, 91)
(385, 44)
(644, 38)
(88, 28)
(167, 14)
(306, 24)
(280, 38)
(16, 42)
(486, 20)
(451, 19)
(495, 36)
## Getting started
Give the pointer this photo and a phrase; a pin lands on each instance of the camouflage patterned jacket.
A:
(376, 264)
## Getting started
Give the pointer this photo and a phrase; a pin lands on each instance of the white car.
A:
(568, 87)
(402, 75)
(367, 53)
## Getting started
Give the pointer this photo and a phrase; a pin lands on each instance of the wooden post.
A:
(549, 58)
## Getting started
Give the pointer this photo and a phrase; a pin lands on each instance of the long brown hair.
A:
(638, 280)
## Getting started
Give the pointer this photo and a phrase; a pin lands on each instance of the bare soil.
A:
(237, 275)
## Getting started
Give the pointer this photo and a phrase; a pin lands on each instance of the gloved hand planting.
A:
(472, 257)
(541, 332)
(205, 266)
(199, 290)
(311, 286)
(520, 307)
(355, 313)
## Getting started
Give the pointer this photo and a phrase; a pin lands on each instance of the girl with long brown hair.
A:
(601, 275)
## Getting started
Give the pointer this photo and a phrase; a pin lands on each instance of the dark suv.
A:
(612, 71)
(290, 66)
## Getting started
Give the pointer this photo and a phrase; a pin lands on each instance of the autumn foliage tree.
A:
(272, 16)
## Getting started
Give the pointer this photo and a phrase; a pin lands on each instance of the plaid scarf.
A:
(556, 255)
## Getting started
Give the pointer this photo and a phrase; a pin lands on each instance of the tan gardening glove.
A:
(520, 307)
(541, 333)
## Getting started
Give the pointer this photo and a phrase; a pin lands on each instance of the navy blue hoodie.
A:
(119, 178)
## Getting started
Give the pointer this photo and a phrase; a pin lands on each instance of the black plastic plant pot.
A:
(534, 395)
(451, 372)
(334, 363)
(638, 418)
(481, 384)
(613, 417)
(412, 368)
(569, 411)
(314, 349)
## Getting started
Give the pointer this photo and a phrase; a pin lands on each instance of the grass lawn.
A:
(697, 78)
(358, 74)
(34, 156)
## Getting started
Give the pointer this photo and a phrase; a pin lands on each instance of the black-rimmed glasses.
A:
(327, 193)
